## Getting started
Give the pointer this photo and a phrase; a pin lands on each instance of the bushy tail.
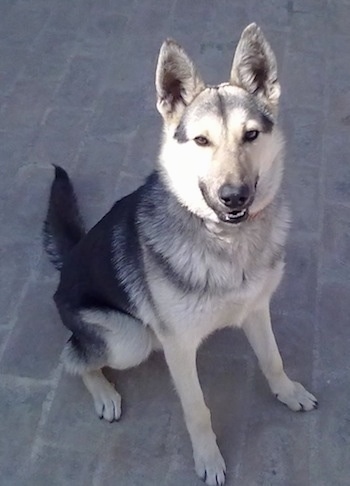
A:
(63, 226)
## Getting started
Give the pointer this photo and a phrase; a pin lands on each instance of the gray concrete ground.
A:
(76, 88)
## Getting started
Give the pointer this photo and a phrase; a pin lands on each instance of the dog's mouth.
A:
(224, 215)
(234, 217)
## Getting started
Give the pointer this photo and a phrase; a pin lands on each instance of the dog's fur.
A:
(173, 261)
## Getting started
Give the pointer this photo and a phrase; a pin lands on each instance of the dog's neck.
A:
(256, 215)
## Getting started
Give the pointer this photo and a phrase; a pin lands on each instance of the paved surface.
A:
(76, 88)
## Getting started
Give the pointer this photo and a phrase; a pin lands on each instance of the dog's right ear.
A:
(177, 80)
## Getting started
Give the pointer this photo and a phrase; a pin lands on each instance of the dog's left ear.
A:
(254, 66)
(177, 80)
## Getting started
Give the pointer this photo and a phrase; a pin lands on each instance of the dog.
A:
(198, 247)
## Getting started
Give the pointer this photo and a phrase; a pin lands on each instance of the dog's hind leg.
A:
(258, 330)
(106, 338)
(85, 354)
(107, 400)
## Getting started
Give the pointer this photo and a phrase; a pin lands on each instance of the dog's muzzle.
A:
(236, 199)
(232, 202)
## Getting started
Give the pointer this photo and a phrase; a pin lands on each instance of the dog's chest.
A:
(200, 314)
(217, 266)
(217, 288)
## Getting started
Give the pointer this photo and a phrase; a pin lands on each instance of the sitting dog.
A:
(197, 248)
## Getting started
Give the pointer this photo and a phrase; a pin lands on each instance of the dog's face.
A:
(221, 148)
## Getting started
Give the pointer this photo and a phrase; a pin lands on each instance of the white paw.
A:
(295, 396)
(210, 466)
(108, 403)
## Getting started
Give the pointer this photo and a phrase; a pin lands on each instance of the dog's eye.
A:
(201, 141)
(250, 135)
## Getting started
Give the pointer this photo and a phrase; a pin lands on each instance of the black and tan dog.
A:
(197, 248)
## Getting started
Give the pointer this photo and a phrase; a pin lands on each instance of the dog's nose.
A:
(234, 197)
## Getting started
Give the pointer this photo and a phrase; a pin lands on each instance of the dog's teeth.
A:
(232, 216)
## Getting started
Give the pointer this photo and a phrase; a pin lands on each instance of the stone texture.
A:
(59, 139)
(35, 343)
(17, 261)
(80, 86)
(303, 127)
(78, 467)
(330, 459)
(298, 288)
(20, 409)
(336, 243)
(26, 105)
(21, 218)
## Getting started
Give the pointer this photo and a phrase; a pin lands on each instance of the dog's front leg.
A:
(181, 359)
(259, 332)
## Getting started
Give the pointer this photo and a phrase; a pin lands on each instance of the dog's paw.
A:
(108, 403)
(210, 466)
(295, 396)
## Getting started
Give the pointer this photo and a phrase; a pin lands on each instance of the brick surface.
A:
(20, 407)
(307, 28)
(337, 182)
(78, 467)
(35, 343)
(336, 243)
(331, 448)
(27, 103)
(108, 121)
(17, 260)
(303, 126)
(12, 61)
(22, 224)
(49, 55)
(302, 184)
(77, 89)
(298, 290)
(80, 85)
(15, 146)
(98, 171)
(3, 337)
(60, 138)
(306, 79)
(23, 22)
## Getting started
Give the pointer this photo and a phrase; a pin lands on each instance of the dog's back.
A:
(87, 262)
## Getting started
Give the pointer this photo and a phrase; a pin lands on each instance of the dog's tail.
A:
(63, 226)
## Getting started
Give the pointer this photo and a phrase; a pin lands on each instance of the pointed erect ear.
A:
(177, 80)
(254, 66)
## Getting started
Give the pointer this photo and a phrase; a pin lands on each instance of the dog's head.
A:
(221, 152)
